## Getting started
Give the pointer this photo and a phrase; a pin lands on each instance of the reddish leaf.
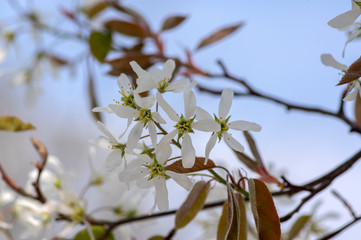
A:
(96, 8)
(172, 22)
(218, 35)
(264, 211)
(297, 226)
(352, 73)
(100, 44)
(14, 124)
(250, 163)
(358, 109)
(198, 166)
(121, 65)
(93, 99)
(235, 221)
(252, 145)
(126, 28)
(192, 204)
(130, 12)
(222, 224)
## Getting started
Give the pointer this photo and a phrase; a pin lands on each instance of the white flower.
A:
(150, 171)
(346, 19)
(108, 141)
(328, 60)
(159, 79)
(224, 125)
(144, 117)
(185, 125)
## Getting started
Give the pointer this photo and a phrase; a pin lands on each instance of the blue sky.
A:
(277, 51)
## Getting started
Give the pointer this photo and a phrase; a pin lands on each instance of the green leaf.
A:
(264, 211)
(198, 166)
(97, 232)
(156, 237)
(172, 22)
(218, 35)
(297, 226)
(100, 44)
(192, 204)
(14, 124)
(126, 28)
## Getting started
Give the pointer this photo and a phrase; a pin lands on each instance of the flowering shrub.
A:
(156, 145)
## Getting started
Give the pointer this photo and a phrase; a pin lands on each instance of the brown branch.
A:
(252, 92)
(330, 235)
(344, 202)
(319, 184)
(42, 151)
(11, 183)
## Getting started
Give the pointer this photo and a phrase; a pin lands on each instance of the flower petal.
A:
(345, 19)
(161, 194)
(158, 118)
(124, 84)
(144, 102)
(180, 85)
(137, 69)
(123, 111)
(241, 125)
(167, 108)
(152, 132)
(114, 159)
(328, 60)
(102, 109)
(207, 125)
(134, 135)
(232, 143)
(187, 152)
(182, 180)
(163, 152)
(202, 114)
(106, 132)
(210, 145)
(145, 83)
(133, 174)
(168, 68)
(189, 104)
(225, 103)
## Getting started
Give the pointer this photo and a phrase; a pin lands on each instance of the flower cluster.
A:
(145, 120)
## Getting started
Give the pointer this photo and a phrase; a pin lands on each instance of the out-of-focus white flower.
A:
(52, 179)
(159, 79)
(185, 125)
(75, 208)
(35, 216)
(224, 124)
(346, 19)
(150, 171)
(6, 195)
(354, 87)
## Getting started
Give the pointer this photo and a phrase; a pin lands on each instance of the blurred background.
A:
(277, 51)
